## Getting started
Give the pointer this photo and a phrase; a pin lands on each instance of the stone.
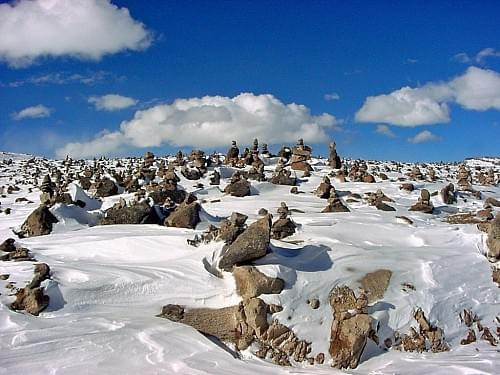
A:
(38, 223)
(491, 202)
(375, 284)
(42, 272)
(493, 240)
(323, 190)
(314, 303)
(140, 213)
(250, 282)
(33, 301)
(448, 194)
(251, 244)
(335, 205)
(8, 245)
(427, 336)
(106, 188)
(282, 228)
(350, 329)
(333, 158)
(407, 187)
(239, 187)
(384, 206)
(471, 337)
(186, 215)
(424, 204)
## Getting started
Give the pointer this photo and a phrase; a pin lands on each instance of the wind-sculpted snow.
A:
(109, 282)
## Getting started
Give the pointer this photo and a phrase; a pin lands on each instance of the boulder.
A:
(282, 228)
(240, 188)
(140, 213)
(250, 282)
(38, 223)
(8, 245)
(186, 215)
(33, 301)
(251, 244)
(448, 194)
(375, 284)
(351, 327)
(335, 205)
(106, 188)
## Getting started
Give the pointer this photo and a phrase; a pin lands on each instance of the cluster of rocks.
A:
(424, 203)
(239, 186)
(378, 200)
(284, 226)
(31, 298)
(300, 155)
(426, 337)
(476, 328)
(359, 173)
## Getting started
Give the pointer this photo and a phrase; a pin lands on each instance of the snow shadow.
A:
(310, 258)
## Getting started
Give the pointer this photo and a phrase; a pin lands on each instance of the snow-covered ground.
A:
(109, 282)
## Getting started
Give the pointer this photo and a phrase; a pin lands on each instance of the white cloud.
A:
(476, 89)
(385, 130)
(423, 137)
(61, 78)
(85, 29)
(112, 102)
(37, 111)
(487, 52)
(462, 57)
(210, 121)
(332, 96)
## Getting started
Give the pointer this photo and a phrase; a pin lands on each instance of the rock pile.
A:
(428, 337)
(239, 186)
(333, 158)
(38, 223)
(424, 203)
(31, 298)
(284, 226)
(300, 155)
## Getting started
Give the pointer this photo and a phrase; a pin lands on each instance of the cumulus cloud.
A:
(423, 137)
(37, 111)
(210, 121)
(85, 29)
(385, 130)
(332, 96)
(476, 89)
(111, 102)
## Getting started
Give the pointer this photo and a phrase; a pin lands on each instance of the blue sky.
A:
(326, 56)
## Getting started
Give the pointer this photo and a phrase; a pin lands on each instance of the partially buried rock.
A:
(106, 188)
(335, 205)
(33, 301)
(448, 194)
(140, 213)
(351, 327)
(236, 324)
(251, 244)
(250, 282)
(375, 284)
(186, 215)
(493, 240)
(38, 223)
(8, 245)
(239, 186)
(424, 204)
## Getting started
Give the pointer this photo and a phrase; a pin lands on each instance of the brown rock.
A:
(38, 223)
(251, 244)
(186, 215)
(250, 282)
(375, 284)
(493, 240)
(33, 301)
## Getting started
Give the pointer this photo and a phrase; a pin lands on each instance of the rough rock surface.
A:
(375, 284)
(251, 244)
(493, 240)
(38, 223)
(140, 213)
(106, 188)
(282, 228)
(351, 327)
(186, 215)
(239, 188)
(33, 301)
(250, 282)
